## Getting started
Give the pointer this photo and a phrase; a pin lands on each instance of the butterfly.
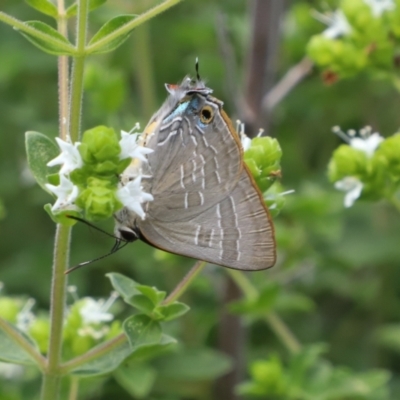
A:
(206, 204)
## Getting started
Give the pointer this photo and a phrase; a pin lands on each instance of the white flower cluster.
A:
(131, 195)
(366, 142)
(337, 23)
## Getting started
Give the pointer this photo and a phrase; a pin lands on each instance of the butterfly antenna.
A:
(94, 227)
(117, 246)
(197, 69)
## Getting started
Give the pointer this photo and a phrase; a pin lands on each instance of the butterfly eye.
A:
(206, 114)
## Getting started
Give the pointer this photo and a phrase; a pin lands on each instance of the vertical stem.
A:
(73, 388)
(77, 72)
(185, 282)
(51, 381)
(62, 76)
(144, 69)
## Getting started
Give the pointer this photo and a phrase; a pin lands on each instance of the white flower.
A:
(353, 188)
(66, 193)
(378, 7)
(246, 141)
(69, 157)
(366, 141)
(95, 311)
(25, 317)
(130, 148)
(337, 24)
(131, 196)
(368, 144)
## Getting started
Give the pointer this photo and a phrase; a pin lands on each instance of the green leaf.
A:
(126, 287)
(106, 363)
(11, 352)
(194, 365)
(93, 4)
(147, 352)
(40, 150)
(142, 303)
(43, 6)
(108, 28)
(156, 296)
(174, 310)
(136, 379)
(48, 39)
(142, 330)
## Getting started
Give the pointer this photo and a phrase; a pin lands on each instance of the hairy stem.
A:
(185, 282)
(51, 381)
(78, 68)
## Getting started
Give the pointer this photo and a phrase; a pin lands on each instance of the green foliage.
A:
(40, 150)
(93, 4)
(368, 44)
(43, 6)
(47, 39)
(307, 376)
(111, 27)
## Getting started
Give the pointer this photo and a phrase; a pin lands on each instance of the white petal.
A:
(69, 157)
(93, 312)
(378, 7)
(367, 145)
(66, 193)
(130, 148)
(338, 25)
(131, 196)
(353, 188)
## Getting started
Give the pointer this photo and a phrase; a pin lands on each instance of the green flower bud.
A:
(389, 149)
(270, 375)
(9, 308)
(263, 159)
(358, 13)
(98, 199)
(100, 145)
(81, 344)
(347, 161)
(40, 331)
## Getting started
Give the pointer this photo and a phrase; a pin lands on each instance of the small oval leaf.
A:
(72, 10)
(106, 30)
(43, 6)
(106, 363)
(125, 286)
(40, 150)
(13, 353)
(48, 39)
(142, 330)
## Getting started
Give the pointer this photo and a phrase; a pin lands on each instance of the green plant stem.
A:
(78, 69)
(63, 80)
(276, 324)
(94, 353)
(23, 343)
(21, 26)
(125, 29)
(144, 69)
(185, 282)
(73, 388)
(51, 381)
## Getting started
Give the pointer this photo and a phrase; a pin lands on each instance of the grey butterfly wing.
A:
(186, 163)
(235, 233)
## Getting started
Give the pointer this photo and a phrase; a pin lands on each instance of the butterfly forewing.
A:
(193, 165)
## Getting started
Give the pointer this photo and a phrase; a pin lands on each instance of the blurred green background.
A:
(337, 275)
